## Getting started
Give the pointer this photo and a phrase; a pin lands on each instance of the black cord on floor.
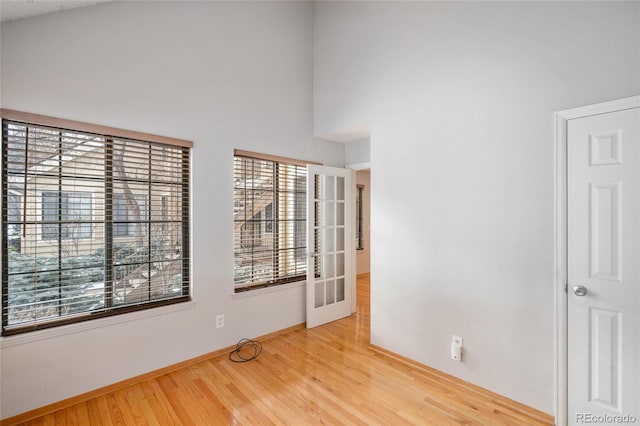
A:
(254, 351)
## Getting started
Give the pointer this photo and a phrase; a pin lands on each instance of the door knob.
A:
(580, 290)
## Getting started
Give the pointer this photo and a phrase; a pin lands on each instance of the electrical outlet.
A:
(456, 348)
(456, 341)
(456, 353)
(220, 321)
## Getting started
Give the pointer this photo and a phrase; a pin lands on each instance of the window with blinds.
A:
(359, 217)
(93, 225)
(269, 222)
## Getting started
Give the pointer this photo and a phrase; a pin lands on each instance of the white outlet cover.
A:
(456, 353)
(456, 340)
(220, 321)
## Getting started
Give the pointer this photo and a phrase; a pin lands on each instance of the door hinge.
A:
(566, 288)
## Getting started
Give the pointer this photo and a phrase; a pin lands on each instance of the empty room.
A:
(320, 212)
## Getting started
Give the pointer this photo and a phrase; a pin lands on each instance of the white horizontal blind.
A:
(93, 225)
(269, 222)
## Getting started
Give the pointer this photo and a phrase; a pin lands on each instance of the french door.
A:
(330, 241)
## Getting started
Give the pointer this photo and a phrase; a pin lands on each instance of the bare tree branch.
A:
(130, 200)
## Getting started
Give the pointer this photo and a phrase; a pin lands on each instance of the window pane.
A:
(50, 228)
(329, 187)
(319, 294)
(340, 188)
(340, 213)
(148, 258)
(339, 239)
(339, 264)
(120, 214)
(76, 211)
(128, 212)
(331, 291)
(268, 215)
(14, 217)
(340, 290)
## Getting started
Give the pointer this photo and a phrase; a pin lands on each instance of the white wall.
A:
(223, 74)
(460, 97)
(363, 257)
(357, 153)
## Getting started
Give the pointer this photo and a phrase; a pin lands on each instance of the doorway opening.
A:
(363, 251)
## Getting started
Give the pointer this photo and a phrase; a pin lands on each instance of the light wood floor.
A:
(327, 375)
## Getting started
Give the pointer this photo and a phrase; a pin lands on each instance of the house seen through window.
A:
(66, 215)
(128, 214)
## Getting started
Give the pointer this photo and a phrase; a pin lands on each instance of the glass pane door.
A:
(329, 269)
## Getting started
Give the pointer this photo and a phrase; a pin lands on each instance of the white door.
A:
(603, 194)
(329, 240)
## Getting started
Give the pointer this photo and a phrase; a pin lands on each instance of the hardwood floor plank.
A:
(263, 401)
(131, 413)
(264, 375)
(223, 415)
(83, 414)
(170, 391)
(200, 399)
(161, 407)
(61, 417)
(50, 420)
(99, 412)
(219, 386)
(254, 413)
(114, 410)
(326, 375)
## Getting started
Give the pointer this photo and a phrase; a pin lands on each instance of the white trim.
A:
(34, 336)
(560, 268)
(601, 108)
(560, 237)
(353, 251)
(270, 289)
(359, 166)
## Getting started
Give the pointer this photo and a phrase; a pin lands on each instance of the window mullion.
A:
(148, 221)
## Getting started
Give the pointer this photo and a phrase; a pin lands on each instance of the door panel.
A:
(605, 351)
(329, 268)
(603, 153)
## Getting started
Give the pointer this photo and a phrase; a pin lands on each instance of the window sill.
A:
(34, 336)
(265, 290)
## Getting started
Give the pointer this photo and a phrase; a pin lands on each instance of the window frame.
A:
(182, 152)
(273, 231)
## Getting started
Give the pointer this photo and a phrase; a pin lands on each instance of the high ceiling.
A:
(17, 9)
